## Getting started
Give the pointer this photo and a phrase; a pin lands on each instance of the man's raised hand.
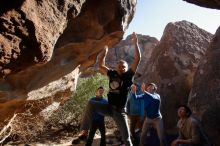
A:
(106, 49)
(134, 38)
(133, 88)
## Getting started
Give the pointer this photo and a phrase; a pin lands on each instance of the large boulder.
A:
(172, 66)
(125, 50)
(204, 97)
(46, 44)
(215, 4)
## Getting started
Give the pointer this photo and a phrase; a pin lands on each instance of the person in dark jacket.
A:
(98, 121)
(120, 79)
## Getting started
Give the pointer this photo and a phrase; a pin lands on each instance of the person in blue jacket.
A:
(135, 111)
(98, 121)
(152, 108)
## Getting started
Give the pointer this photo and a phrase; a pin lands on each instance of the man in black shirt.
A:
(120, 80)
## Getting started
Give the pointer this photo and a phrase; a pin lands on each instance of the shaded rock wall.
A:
(46, 44)
(215, 4)
(26, 39)
(172, 66)
(204, 97)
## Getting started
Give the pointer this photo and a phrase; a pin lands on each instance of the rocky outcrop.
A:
(125, 50)
(46, 44)
(204, 97)
(215, 4)
(172, 66)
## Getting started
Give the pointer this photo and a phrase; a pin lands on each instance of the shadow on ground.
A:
(64, 138)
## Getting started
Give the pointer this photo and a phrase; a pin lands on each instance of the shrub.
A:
(69, 115)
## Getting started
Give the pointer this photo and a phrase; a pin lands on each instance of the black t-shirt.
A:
(119, 87)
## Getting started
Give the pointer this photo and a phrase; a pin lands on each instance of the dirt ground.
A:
(65, 139)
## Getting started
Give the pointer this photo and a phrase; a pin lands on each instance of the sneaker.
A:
(79, 139)
(76, 141)
(82, 137)
(109, 141)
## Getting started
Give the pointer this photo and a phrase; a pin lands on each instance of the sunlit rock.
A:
(125, 50)
(46, 44)
(172, 66)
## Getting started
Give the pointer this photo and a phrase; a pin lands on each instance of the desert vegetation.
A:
(66, 119)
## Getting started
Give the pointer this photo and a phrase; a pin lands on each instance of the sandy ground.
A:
(62, 143)
(67, 141)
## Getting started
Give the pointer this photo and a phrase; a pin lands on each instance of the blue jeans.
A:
(118, 115)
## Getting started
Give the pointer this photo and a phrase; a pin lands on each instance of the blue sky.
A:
(152, 16)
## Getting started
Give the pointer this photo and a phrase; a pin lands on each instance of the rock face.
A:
(45, 44)
(206, 3)
(172, 66)
(125, 50)
(205, 94)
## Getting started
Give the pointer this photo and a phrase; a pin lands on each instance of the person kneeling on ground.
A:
(190, 130)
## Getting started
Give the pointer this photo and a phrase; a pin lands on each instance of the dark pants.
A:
(93, 128)
(135, 122)
(119, 117)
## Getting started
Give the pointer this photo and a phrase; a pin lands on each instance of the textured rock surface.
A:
(205, 95)
(45, 44)
(206, 3)
(125, 50)
(173, 63)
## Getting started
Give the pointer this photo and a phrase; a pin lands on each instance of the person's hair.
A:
(187, 109)
(154, 85)
(122, 61)
(101, 87)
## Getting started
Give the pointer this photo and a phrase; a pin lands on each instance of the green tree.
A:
(70, 114)
(86, 88)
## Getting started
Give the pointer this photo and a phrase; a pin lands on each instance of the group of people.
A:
(120, 86)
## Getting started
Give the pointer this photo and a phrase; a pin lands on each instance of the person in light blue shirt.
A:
(152, 108)
(135, 111)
